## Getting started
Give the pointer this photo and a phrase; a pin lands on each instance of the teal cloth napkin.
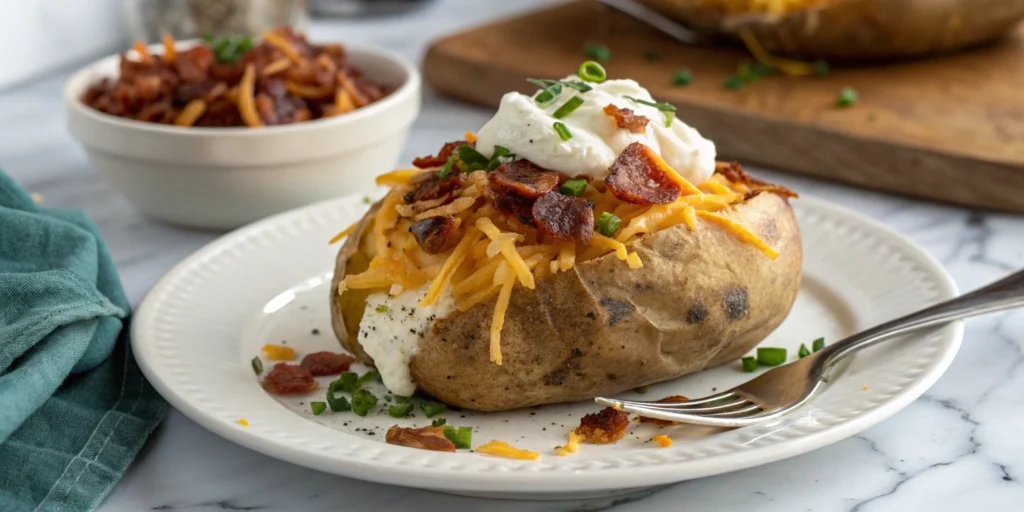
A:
(74, 407)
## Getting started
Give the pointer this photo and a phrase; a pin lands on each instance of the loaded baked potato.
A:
(851, 29)
(499, 282)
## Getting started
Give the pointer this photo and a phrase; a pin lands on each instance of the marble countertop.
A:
(957, 448)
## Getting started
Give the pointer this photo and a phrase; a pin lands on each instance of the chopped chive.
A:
(462, 437)
(847, 97)
(763, 69)
(363, 401)
(439, 422)
(400, 410)
(501, 155)
(562, 131)
(749, 364)
(669, 116)
(821, 68)
(591, 71)
(771, 356)
(372, 375)
(568, 107)
(683, 77)
(803, 352)
(652, 56)
(579, 86)
(431, 409)
(382, 308)
(469, 155)
(543, 83)
(747, 73)
(367, 200)
(347, 382)
(574, 187)
(642, 389)
(733, 82)
(317, 407)
(598, 52)
(257, 365)
(664, 107)
(338, 403)
(548, 95)
(818, 344)
(608, 224)
(443, 173)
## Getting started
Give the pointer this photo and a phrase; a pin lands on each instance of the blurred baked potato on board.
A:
(851, 29)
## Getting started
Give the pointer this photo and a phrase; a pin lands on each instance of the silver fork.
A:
(782, 389)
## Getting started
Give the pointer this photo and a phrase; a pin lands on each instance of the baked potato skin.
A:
(702, 299)
(860, 29)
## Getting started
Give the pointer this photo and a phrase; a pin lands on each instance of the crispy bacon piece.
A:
(605, 427)
(523, 178)
(674, 399)
(636, 177)
(735, 174)
(324, 363)
(424, 162)
(193, 65)
(435, 234)
(565, 218)
(428, 186)
(626, 119)
(286, 379)
(515, 206)
(425, 438)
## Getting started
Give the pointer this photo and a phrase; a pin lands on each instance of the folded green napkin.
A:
(74, 407)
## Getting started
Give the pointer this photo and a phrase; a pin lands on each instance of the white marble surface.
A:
(957, 448)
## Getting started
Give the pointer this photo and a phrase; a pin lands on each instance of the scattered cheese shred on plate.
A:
(243, 422)
(663, 440)
(279, 352)
(572, 446)
(503, 449)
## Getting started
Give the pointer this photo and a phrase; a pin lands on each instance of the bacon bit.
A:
(663, 440)
(626, 119)
(425, 438)
(279, 352)
(435, 234)
(674, 399)
(523, 178)
(735, 174)
(636, 178)
(569, 219)
(286, 379)
(412, 210)
(605, 427)
(428, 185)
(425, 162)
(515, 206)
(324, 363)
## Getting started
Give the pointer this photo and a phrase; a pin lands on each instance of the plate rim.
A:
(540, 483)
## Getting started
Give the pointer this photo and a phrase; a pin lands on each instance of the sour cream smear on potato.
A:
(391, 329)
(526, 129)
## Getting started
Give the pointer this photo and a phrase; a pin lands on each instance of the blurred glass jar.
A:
(148, 20)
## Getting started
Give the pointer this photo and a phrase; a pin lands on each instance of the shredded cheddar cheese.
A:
(470, 137)
(572, 446)
(503, 449)
(284, 46)
(663, 440)
(497, 252)
(279, 352)
(169, 52)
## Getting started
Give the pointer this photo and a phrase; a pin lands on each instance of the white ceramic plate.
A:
(196, 332)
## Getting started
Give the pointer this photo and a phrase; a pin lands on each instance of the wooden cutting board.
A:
(950, 128)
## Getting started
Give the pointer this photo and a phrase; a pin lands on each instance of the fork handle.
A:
(1006, 293)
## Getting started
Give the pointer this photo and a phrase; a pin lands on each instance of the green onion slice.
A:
(574, 187)
(598, 52)
(501, 155)
(257, 365)
(443, 173)
(439, 422)
(847, 97)
(568, 107)
(339, 403)
(749, 364)
(471, 158)
(362, 402)
(818, 344)
(771, 356)
(381, 308)
(608, 224)
(347, 382)
(431, 409)
(370, 376)
(579, 86)
(683, 77)
(668, 110)
(317, 407)
(548, 96)
(803, 352)
(462, 437)
(591, 71)
(562, 130)
(400, 410)
(733, 82)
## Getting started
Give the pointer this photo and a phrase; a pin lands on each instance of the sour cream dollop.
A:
(527, 130)
(390, 333)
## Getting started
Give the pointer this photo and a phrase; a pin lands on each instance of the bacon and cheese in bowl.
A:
(584, 242)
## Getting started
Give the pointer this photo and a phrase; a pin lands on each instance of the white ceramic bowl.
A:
(225, 177)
